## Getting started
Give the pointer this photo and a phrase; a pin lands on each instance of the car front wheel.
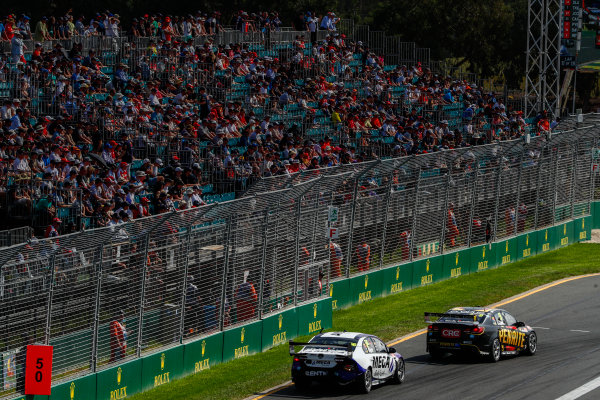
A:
(400, 371)
(531, 344)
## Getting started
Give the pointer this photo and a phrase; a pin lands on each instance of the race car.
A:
(488, 332)
(346, 358)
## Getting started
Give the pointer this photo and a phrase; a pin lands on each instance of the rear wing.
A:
(428, 316)
(293, 346)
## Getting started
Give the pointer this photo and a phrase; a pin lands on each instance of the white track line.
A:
(581, 390)
(539, 327)
(578, 330)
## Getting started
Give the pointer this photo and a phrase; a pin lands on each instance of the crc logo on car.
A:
(316, 373)
(451, 333)
(381, 362)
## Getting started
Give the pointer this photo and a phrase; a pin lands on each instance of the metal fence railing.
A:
(181, 275)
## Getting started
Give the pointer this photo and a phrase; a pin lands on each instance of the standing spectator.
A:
(452, 228)
(522, 217)
(363, 254)
(41, 30)
(336, 257)
(118, 338)
(246, 299)
(17, 48)
(509, 220)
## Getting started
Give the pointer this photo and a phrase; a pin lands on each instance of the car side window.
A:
(379, 346)
(510, 320)
(367, 346)
(499, 318)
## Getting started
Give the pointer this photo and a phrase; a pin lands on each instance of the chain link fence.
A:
(106, 295)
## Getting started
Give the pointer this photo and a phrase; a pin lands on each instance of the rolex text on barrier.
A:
(203, 354)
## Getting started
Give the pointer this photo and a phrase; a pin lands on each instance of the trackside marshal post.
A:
(38, 370)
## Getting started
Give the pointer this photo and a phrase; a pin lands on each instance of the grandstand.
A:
(273, 103)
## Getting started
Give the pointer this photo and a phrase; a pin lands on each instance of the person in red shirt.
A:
(118, 338)
(363, 253)
(246, 300)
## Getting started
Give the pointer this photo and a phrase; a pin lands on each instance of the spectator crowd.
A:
(163, 115)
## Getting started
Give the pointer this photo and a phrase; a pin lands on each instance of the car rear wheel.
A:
(400, 371)
(365, 384)
(531, 344)
(495, 351)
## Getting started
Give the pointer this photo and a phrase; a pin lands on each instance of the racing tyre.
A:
(302, 385)
(400, 372)
(365, 384)
(531, 344)
(495, 351)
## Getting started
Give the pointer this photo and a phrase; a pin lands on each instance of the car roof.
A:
(472, 310)
(345, 335)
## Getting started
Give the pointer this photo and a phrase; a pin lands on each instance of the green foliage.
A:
(389, 317)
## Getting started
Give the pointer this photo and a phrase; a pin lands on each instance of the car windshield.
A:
(333, 341)
(463, 318)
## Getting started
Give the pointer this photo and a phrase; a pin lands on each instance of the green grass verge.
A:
(389, 318)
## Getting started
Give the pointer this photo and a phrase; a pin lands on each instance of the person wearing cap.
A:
(52, 229)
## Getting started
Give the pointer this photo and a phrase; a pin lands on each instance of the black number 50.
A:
(39, 364)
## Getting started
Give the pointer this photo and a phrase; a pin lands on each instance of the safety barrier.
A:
(162, 367)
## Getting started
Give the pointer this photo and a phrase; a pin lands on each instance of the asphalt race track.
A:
(567, 320)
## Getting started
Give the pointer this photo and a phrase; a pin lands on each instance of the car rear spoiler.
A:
(348, 347)
(428, 316)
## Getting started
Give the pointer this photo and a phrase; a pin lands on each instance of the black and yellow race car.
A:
(488, 332)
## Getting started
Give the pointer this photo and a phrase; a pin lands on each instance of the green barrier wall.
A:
(314, 316)
(119, 382)
(596, 214)
(242, 341)
(339, 291)
(77, 389)
(527, 245)
(427, 271)
(161, 368)
(506, 251)
(397, 279)
(564, 234)
(483, 257)
(366, 287)
(203, 354)
(545, 240)
(582, 229)
(456, 264)
(279, 328)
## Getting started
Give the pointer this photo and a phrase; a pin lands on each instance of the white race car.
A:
(344, 358)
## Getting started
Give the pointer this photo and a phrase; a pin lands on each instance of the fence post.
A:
(574, 179)
(185, 280)
(50, 296)
(520, 177)
(539, 186)
(263, 264)
(473, 202)
(142, 296)
(554, 187)
(445, 214)
(388, 198)
(100, 261)
(297, 249)
(593, 178)
(413, 236)
(225, 271)
(497, 203)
